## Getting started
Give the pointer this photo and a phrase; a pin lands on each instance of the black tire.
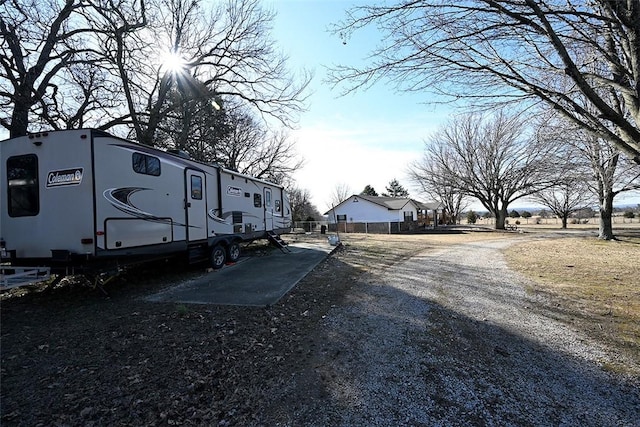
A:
(218, 257)
(233, 252)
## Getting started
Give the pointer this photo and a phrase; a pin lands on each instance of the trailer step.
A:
(276, 241)
(12, 276)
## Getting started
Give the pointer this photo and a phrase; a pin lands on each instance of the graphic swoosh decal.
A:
(224, 219)
(120, 198)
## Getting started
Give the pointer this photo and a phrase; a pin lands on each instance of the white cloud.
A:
(365, 153)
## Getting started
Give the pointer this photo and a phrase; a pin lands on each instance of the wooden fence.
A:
(391, 227)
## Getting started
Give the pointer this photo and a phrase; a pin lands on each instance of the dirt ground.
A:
(73, 356)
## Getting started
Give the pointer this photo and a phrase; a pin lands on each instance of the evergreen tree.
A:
(395, 189)
(369, 191)
(472, 217)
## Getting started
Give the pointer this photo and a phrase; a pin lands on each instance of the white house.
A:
(367, 209)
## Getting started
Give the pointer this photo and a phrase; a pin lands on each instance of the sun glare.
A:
(173, 62)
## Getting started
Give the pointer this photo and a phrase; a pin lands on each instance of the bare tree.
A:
(429, 177)
(595, 169)
(301, 207)
(548, 51)
(340, 193)
(105, 64)
(197, 126)
(232, 138)
(251, 149)
(565, 198)
(613, 174)
(225, 51)
(50, 76)
(494, 159)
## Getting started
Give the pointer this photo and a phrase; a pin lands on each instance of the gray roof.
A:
(394, 203)
(397, 203)
(430, 206)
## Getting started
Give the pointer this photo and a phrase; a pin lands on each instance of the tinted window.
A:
(22, 179)
(196, 187)
(257, 200)
(146, 165)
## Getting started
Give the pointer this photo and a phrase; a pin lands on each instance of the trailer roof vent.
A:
(180, 153)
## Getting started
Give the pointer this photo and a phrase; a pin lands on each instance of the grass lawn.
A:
(593, 283)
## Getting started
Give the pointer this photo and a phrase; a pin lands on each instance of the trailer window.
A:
(196, 187)
(257, 200)
(267, 198)
(277, 205)
(146, 165)
(22, 179)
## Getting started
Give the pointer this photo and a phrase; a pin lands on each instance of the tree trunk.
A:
(605, 231)
(501, 217)
(20, 117)
(565, 218)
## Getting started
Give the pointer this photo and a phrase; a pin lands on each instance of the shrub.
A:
(526, 214)
(514, 214)
(629, 214)
(472, 217)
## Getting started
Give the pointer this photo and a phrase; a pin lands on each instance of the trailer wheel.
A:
(233, 252)
(218, 257)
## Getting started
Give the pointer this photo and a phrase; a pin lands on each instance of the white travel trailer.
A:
(76, 198)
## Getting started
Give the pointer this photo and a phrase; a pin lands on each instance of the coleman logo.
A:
(234, 191)
(64, 177)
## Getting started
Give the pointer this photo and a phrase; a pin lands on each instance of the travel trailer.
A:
(78, 198)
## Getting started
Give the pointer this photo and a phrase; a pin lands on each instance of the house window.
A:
(408, 216)
(342, 218)
(22, 177)
(146, 165)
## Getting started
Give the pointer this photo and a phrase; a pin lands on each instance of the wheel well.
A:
(225, 242)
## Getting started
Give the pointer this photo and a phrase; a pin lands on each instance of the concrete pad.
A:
(253, 281)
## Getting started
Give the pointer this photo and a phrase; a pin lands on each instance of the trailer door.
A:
(268, 209)
(196, 205)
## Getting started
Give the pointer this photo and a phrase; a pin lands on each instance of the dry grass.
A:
(593, 283)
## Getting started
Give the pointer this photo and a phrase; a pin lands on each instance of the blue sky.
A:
(364, 138)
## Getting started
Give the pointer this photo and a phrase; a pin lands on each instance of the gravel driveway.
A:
(453, 338)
